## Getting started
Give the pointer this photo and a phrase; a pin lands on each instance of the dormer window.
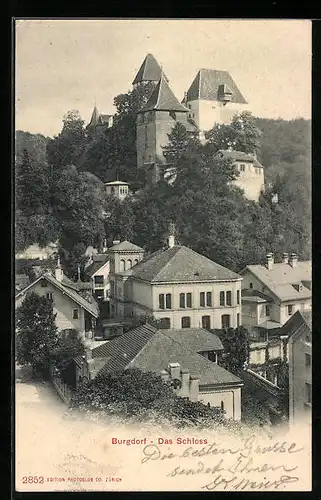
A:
(242, 167)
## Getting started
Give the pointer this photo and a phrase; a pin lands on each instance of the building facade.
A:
(250, 173)
(118, 189)
(213, 98)
(98, 273)
(299, 331)
(273, 292)
(74, 309)
(178, 286)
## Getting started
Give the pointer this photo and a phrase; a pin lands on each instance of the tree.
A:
(68, 346)
(142, 395)
(180, 142)
(36, 332)
(68, 147)
(32, 188)
(236, 348)
(241, 135)
(119, 218)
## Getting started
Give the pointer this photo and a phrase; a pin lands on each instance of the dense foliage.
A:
(236, 348)
(142, 396)
(60, 192)
(36, 332)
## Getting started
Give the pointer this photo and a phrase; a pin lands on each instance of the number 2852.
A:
(32, 479)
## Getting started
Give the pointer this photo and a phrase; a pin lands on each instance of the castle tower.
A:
(154, 122)
(150, 71)
(214, 98)
(99, 121)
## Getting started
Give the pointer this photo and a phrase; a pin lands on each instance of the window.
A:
(251, 285)
(129, 263)
(212, 356)
(185, 300)
(161, 302)
(242, 167)
(168, 301)
(289, 309)
(99, 293)
(99, 280)
(135, 262)
(307, 359)
(186, 322)
(238, 319)
(267, 310)
(222, 298)
(122, 265)
(75, 314)
(49, 295)
(229, 298)
(222, 405)
(206, 322)
(238, 297)
(112, 190)
(112, 288)
(225, 321)
(202, 299)
(164, 323)
(43, 283)
(209, 299)
(308, 392)
(308, 337)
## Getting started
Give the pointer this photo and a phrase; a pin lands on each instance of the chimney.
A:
(88, 354)
(269, 260)
(285, 258)
(171, 235)
(185, 383)
(174, 370)
(293, 260)
(194, 389)
(59, 274)
(105, 248)
(165, 375)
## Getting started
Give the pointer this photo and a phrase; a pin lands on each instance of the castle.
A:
(212, 98)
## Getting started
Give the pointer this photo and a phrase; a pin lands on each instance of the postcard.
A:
(163, 276)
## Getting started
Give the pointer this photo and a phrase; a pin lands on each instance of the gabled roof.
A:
(150, 349)
(300, 323)
(91, 307)
(208, 84)
(163, 99)
(281, 278)
(195, 339)
(94, 120)
(126, 246)
(95, 266)
(239, 156)
(181, 264)
(150, 70)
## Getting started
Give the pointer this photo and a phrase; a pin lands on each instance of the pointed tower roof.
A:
(208, 84)
(94, 117)
(150, 71)
(163, 99)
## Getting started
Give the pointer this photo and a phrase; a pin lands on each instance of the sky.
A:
(70, 64)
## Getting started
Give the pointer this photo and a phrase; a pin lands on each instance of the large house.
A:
(299, 331)
(250, 172)
(73, 303)
(177, 286)
(178, 356)
(214, 98)
(273, 292)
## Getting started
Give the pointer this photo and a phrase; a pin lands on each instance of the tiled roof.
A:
(163, 99)
(239, 156)
(150, 70)
(299, 323)
(195, 339)
(92, 307)
(180, 263)
(207, 83)
(150, 349)
(161, 350)
(126, 245)
(95, 266)
(281, 278)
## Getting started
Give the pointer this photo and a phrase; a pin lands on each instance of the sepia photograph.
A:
(163, 272)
